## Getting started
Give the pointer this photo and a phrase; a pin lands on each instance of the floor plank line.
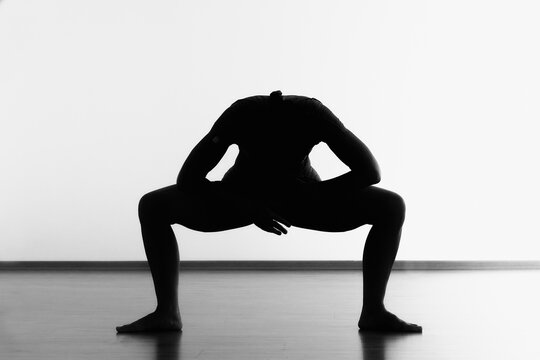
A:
(219, 265)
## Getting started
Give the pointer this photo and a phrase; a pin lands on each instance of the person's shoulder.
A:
(250, 100)
(245, 106)
(240, 107)
(300, 99)
(304, 104)
(324, 117)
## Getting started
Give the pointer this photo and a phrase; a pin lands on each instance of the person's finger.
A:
(268, 228)
(281, 219)
(278, 226)
(271, 228)
(280, 231)
(274, 231)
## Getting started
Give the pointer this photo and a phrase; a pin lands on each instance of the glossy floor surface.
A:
(270, 315)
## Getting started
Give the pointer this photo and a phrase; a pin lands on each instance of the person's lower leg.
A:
(379, 254)
(162, 254)
(163, 259)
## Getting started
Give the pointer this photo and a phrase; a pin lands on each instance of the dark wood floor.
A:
(270, 315)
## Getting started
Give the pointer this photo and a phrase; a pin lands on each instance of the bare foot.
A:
(153, 322)
(385, 321)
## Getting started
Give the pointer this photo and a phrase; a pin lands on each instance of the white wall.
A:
(101, 101)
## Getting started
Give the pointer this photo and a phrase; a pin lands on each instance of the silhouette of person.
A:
(273, 186)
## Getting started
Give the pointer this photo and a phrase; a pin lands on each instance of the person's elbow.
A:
(371, 169)
(191, 183)
(180, 182)
(376, 177)
(373, 175)
(367, 176)
(188, 179)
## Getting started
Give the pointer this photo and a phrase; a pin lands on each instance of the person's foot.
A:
(385, 321)
(153, 322)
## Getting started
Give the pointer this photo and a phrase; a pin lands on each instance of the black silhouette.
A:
(273, 185)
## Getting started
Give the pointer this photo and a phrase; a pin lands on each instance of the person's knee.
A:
(394, 209)
(149, 207)
(397, 208)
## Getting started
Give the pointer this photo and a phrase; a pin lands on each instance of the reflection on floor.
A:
(270, 315)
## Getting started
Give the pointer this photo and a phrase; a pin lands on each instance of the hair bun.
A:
(276, 95)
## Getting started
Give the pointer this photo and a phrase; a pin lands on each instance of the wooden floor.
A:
(270, 315)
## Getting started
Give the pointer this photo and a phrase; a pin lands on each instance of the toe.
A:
(413, 328)
(126, 328)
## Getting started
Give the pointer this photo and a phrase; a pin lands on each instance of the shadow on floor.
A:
(163, 345)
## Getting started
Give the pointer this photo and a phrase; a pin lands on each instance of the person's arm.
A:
(202, 159)
(209, 151)
(349, 149)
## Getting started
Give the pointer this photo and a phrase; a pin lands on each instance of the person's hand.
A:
(269, 221)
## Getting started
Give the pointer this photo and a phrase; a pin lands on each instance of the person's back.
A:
(275, 135)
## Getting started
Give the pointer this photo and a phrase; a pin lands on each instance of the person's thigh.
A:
(211, 208)
(337, 205)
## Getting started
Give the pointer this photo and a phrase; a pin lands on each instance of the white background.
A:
(101, 101)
